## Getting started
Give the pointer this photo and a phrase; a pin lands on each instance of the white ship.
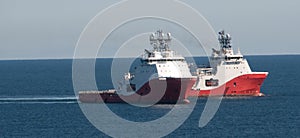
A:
(162, 76)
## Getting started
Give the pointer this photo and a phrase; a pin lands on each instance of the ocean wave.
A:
(41, 99)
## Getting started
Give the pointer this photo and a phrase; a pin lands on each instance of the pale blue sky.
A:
(50, 28)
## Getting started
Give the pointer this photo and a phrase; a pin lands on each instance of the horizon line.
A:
(63, 58)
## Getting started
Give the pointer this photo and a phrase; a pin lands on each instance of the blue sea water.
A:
(37, 100)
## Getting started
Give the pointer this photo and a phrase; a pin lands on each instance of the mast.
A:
(160, 41)
(224, 40)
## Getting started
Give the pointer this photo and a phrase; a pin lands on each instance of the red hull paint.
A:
(167, 91)
(245, 85)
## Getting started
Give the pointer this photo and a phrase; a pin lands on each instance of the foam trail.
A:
(43, 99)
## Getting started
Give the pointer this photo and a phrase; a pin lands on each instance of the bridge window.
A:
(158, 60)
(229, 58)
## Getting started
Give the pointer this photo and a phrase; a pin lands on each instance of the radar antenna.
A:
(224, 39)
(160, 41)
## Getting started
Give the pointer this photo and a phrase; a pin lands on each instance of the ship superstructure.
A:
(159, 63)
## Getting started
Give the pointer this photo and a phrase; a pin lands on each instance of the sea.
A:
(37, 99)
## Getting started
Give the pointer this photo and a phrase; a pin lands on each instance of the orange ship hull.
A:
(245, 85)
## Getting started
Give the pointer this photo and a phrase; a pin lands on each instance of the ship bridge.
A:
(161, 50)
(160, 62)
(166, 62)
(226, 52)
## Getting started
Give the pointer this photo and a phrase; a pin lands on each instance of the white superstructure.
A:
(159, 63)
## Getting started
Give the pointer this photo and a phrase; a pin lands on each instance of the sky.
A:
(50, 29)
